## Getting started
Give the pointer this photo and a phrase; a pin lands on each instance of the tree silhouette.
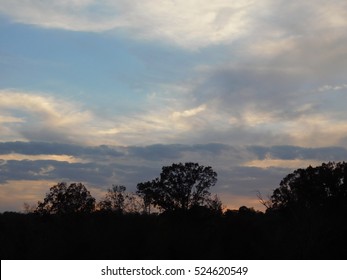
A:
(114, 199)
(321, 187)
(118, 200)
(179, 187)
(148, 192)
(63, 199)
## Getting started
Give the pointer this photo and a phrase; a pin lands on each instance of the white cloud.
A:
(266, 91)
(66, 158)
(49, 110)
(44, 171)
(34, 116)
(271, 47)
(288, 163)
(187, 23)
(318, 130)
(42, 117)
(332, 87)
(268, 28)
(189, 112)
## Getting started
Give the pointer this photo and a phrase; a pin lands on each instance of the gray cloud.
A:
(139, 164)
(47, 148)
(54, 170)
(247, 181)
(293, 152)
(238, 180)
(174, 151)
(269, 86)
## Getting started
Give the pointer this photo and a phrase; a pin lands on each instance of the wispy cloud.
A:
(272, 87)
(189, 24)
(54, 157)
(189, 112)
(229, 107)
(43, 117)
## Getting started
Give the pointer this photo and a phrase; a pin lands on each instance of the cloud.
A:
(189, 24)
(332, 88)
(238, 113)
(104, 163)
(294, 152)
(159, 152)
(15, 156)
(43, 117)
(34, 116)
(10, 119)
(279, 79)
(44, 171)
(294, 157)
(291, 163)
(93, 173)
(294, 95)
(189, 112)
(49, 148)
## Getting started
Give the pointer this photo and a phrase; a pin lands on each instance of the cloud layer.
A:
(228, 113)
(280, 78)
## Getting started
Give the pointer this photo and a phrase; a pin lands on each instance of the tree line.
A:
(180, 187)
(305, 218)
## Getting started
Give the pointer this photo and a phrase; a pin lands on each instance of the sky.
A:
(107, 92)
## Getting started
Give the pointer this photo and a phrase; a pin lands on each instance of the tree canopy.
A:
(179, 187)
(120, 201)
(64, 199)
(323, 187)
(114, 199)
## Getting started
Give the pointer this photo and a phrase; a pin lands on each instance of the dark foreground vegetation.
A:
(305, 219)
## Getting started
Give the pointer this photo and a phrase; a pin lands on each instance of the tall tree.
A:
(148, 191)
(180, 186)
(114, 199)
(323, 186)
(118, 200)
(64, 199)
